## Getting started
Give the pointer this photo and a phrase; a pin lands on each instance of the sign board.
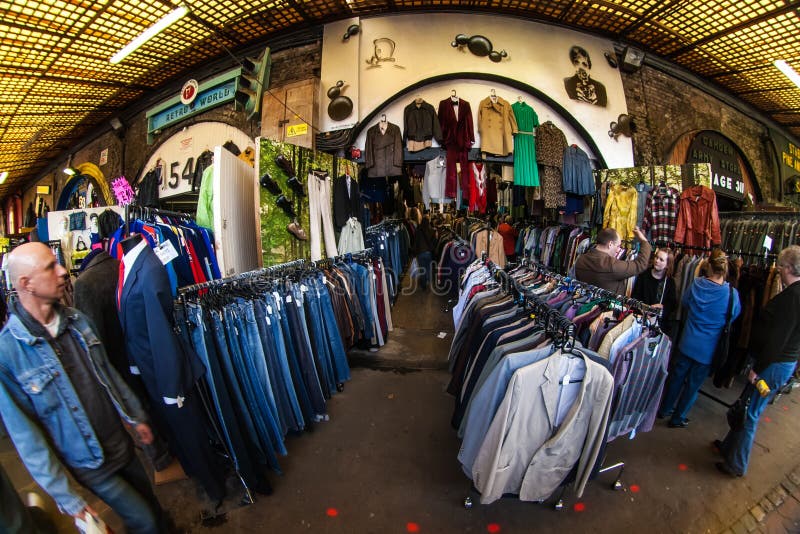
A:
(726, 173)
(104, 156)
(295, 130)
(209, 94)
(177, 156)
(189, 92)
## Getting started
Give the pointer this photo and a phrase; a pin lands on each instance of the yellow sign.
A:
(295, 130)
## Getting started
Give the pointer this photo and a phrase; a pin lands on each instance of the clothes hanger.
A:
(453, 96)
(493, 95)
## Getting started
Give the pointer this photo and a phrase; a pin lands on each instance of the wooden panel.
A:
(286, 109)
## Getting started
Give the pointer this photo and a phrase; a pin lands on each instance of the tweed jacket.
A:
(384, 151)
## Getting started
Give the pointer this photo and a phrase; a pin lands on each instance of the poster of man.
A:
(581, 86)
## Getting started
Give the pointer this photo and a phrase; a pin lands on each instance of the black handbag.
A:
(723, 345)
(737, 413)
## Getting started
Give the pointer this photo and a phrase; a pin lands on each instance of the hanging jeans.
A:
(239, 447)
(455, 156)
(737, 445)
(256, 367)
(332, 335)
(259, 413)
(319, 206)
(288, 406)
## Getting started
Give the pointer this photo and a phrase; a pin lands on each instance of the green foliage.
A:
(278, 245)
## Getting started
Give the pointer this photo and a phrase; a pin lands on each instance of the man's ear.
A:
(23, 282)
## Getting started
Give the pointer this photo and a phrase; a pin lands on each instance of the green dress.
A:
(525, 169)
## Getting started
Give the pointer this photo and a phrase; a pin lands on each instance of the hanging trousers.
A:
(319, 206)
(460, 156)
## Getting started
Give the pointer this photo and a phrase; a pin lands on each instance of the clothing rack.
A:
(366, 253)
(557, 323)
(133, 210)
(759, 214)
(709, 249)
(249, 275)
(385, 222)
(625, 302)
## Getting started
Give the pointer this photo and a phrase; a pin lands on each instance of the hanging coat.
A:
(497, 126)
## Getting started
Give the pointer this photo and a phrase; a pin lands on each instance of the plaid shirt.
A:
(661, 213)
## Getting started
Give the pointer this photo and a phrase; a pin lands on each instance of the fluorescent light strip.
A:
(3, 177)
(171, 18)
(788, 71)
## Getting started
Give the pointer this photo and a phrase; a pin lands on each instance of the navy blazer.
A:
(146, 315)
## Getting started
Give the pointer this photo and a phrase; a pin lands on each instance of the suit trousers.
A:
(319, 206)
(460, 156)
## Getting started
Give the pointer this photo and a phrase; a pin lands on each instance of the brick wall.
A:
(665, 108)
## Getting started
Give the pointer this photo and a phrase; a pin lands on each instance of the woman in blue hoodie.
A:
(706, 303)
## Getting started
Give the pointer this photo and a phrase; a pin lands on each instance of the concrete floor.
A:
(386, 462)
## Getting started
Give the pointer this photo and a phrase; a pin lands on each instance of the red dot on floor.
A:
(493, 527)
(412, 527)
(768, 419)
(332, 512)
(785, 408)
(635, 488)
(579, 507)
(683, 467)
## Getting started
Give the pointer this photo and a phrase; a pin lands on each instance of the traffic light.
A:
(252, 82)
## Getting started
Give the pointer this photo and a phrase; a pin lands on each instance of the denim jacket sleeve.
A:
(34, 449)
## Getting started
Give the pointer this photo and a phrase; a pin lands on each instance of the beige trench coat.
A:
(497, 126)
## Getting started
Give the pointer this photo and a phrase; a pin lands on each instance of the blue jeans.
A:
(260, 414)
(333, 337)
(256, 364)
(693, 374)
(319, 342)
(737, 444)
(275, 337)
(129, 494)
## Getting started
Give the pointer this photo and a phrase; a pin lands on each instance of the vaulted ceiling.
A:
(57, 86)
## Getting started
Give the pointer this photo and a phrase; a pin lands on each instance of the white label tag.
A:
(269, 309)
(269, 323)
(767, 242)
(633, 434)
(299, 304)
(166, 252)
(381, 246)
(277, 299)
(288, 299)
(565, 380)
(303, 288)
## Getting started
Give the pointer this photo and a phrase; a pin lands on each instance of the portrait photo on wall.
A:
(581, 86)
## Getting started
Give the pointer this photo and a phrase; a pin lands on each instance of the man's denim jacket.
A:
(42, 412)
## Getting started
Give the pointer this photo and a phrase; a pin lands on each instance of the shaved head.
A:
(24, 260)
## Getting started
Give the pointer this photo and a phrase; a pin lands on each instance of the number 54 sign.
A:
(177, 156)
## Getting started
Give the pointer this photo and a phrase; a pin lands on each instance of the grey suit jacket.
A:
(524, 452)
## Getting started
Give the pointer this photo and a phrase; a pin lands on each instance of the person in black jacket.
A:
(424, 245)
(656, 287)
(776, 346)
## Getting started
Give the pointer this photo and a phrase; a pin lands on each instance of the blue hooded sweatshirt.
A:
(706, 303)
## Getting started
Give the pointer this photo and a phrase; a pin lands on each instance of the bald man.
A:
(63, 403)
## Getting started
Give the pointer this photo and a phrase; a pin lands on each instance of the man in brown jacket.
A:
(600, 266)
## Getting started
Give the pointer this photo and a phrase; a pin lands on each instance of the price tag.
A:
(767, 242)
(166, 252)
(382, 247)
(288, 299)
(277, 299)
(269, 309)
(565, 380)
(303, 288)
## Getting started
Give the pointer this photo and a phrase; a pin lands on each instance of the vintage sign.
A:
(189, 92)
(726, 173)
(209, 94)
(104, 156)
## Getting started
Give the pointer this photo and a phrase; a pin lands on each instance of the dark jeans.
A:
(424, 268)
